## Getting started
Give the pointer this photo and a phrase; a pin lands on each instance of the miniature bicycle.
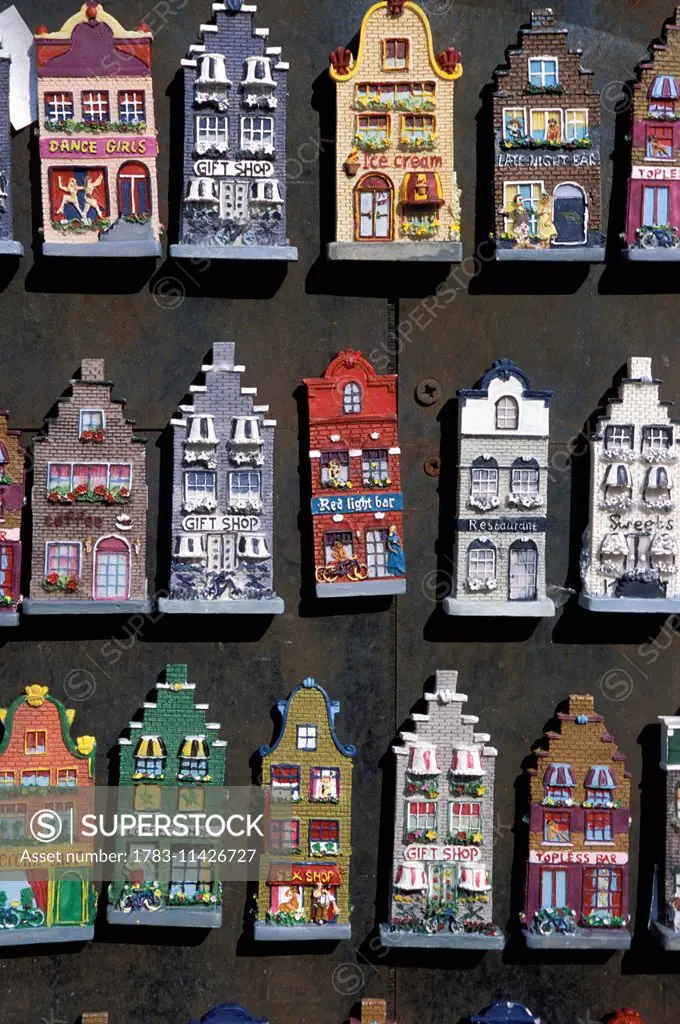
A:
(658, 238)
(140, 899)
(350, 568)
(553, 921)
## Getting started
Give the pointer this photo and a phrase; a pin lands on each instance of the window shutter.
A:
(536, 818)
(620, 821)
(578, 819)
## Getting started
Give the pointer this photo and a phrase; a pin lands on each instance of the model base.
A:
(265, 932)
(363, 588)
(660, 255)
(122, 250)
(665, 936)
(180, 251)
(265, 606)
(31, 607)
(584, 938)
(45, 936)
(626, 605)
(413, 252)
(396, 939)
(168, 917)
(568, 254)
(509, 609)
(9, 619)
(8, 247)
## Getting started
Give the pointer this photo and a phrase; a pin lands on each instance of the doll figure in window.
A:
(292, 901)
(546, 229)
(70, 190)
(334, 472)
(553, 130)
(518, 223)
(339, 552)
(514, 131)
(324, 904)
(90, 202)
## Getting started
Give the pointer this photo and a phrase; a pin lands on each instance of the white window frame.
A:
(546, 111)
(612, 440)
(204, 494)
(479, 487)
(520, 484)
(49, 543)
(95, 568)
(664, 434)
(504, 403)
(56, 108)
(99, 100)
(250, 495)
(412, 825)
(101, 413)
(459, 825)
(478, 568)
(515, 110)
(543, 57)
(307, 736)
(127, 106)
(575, 110)
(208, 138)
(253, 140)
(517, 184)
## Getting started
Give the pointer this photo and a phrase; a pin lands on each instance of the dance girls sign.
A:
(85, 148)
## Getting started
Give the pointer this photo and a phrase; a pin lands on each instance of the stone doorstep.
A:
(167, 917)
(415, 252)
(601, 938)
(660, 255)
(107, 249)
(11, 248)
(9, 619)
(234, 252)
(363, 588)
(507, 609)
(395, 939)
(255, 606)
(57, 607)
(665, 936)
(265, 932)
(566, 254)
(36, 936)
(626, 605)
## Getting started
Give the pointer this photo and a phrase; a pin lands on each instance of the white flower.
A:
(483, 503)
(658, 455)
(618, 455)
(525, 500)
(476, 583)
(201, 502)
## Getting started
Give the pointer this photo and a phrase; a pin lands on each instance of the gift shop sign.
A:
(221, 524)
(234, 168)
(586, 857)
(347, 503)
(431, 851)
(79, 148)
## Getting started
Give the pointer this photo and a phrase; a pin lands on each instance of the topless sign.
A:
(79, 148)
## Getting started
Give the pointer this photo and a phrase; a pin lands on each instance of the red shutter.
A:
(621, 821)
(578, 819)
(536, 818)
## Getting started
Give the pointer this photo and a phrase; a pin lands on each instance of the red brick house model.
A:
(577, 874)
(547, 191)
(356, 489)
(89, 506)
(11, 505)
(43, 767)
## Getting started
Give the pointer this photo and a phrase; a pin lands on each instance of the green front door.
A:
(70, 899)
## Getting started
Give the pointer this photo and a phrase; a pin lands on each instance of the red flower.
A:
(100, 490)
(86, 435)
(54, 497)
(53, 578)
(98, 436)
(123, 492)
(81, 489)
(109, 498)
(71, 496)
(72, 585)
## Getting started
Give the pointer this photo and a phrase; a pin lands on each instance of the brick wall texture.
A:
(6, 218)
(11, 507)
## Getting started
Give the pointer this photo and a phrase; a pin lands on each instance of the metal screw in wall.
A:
(433, 465)
(428, 391)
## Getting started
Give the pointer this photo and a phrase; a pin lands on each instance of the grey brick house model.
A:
(222, 504)
(235, 92)
(441, 893)
(666, 905)
(8, 247)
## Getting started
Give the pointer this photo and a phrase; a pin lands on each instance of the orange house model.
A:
(42, 767)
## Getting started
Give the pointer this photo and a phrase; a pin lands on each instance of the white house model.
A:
(502, 497)
(630, 550)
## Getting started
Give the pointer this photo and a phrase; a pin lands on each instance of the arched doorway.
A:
(374, 209)
(111, 570)
(523, 571)
(134, 190)
(71, 907)
(570, 214)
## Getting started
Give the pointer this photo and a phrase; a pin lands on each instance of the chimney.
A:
(640, 368)
(95, 1018)
(542, 18)
(176, 675)
(92, 369)
(446, 680)
(373, 1011)
(581, 704)
(223, 355)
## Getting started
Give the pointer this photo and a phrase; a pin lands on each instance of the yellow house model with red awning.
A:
(397, 195)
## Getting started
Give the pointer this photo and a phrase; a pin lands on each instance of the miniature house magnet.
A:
(175, 746)
(222, 504)
(666, 898)
(303, 893)
(235, 98)
(97, 138)
(229, 1013)
(11, 506)
(546, 116)
(356, 494)
(577, 872)
(38, 757)
(441, 894)
(505, 1013)
(630, 550)
(397, 195)
(89, 505)
(8, 247)
(373, 1011)
(504, 428)
(654, 186)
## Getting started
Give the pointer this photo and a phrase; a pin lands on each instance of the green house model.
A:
(171, 760)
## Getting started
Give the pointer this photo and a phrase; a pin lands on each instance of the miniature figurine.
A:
(373, 1011)
(40, 759)
(97, 136)
(547, 192)
(89, 506)
(397, 195)
(229, 1013)
(629, 554)
(505, 1013)
(441, 893)
(11, 506)
(654, 185)
(665, 917)
(8, 247)
(303, 893)
(504, 428)
(235, 98)
(625, 1016)
(222, 505)
(577, 871)
(356, 497)
(172, 746)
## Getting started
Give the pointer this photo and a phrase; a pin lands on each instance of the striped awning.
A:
(474, 879)
(664, 87)
(150, 746)
(618, 475)
(659, 477)
(410, 878)
(601, 776)
(560, 776)
(195, 746)
(421, 188)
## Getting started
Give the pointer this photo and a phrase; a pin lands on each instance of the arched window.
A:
(134, 190)
(481, 561)
(351, 398)
(111, 569)
(484, 479)
(507, 413)
(524, 477)
(523, 571)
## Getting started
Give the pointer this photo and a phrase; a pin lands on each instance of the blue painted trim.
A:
(332, 709)
(503, 369)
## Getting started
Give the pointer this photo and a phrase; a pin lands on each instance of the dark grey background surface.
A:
(571, 330)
